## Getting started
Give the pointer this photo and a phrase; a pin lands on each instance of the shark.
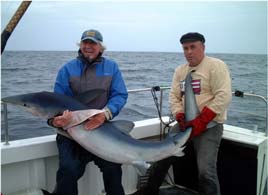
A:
(111, 141)
(190, 104)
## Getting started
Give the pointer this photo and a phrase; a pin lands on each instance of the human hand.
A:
(95, 121)
(180, 118)
(63, 120)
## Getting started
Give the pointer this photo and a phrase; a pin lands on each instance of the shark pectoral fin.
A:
(123, 125)
(141, 166)
(63, 132)
(175, 129)
(180, 153)
(89, 95)
(181, 141)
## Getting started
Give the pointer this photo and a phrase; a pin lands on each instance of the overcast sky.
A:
(229, 27)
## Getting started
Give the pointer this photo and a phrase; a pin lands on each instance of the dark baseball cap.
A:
(92, 35)
(192, 37)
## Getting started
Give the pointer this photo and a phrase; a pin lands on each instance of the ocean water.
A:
(34, 71)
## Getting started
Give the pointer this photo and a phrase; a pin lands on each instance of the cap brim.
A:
(90, 38)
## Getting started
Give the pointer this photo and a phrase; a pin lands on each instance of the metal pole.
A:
(6, 124)
(160, 104)
(266, 132)
(266, 103)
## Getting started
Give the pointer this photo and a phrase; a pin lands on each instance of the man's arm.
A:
(220, 83)
(175, 95)
(118, 94)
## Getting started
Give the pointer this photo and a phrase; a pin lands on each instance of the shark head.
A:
(47, 104)
(41, 104)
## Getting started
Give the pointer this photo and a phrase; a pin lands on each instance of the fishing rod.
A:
(13, 23)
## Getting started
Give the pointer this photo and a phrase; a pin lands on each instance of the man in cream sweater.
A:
(211, 84)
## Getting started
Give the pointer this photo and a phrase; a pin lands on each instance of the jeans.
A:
(72, 163)
(205, 148)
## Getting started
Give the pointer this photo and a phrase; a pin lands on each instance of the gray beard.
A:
(90, 60)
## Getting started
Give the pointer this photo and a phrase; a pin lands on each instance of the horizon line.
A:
(131, 51)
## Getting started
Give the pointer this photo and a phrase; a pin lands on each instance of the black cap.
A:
(192, 37)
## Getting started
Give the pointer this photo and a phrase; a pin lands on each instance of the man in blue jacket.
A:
(90, 70)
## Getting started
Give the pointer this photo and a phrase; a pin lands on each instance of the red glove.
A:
(199, 124)
(180, 118)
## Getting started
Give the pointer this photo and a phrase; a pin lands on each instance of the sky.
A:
(228, 26)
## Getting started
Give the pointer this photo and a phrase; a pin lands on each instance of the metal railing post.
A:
(6, 124)
(266, 132)
(160, 104)
(263, 99)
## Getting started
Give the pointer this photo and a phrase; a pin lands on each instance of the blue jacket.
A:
(76, 77)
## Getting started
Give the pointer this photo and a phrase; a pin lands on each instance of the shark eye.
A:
(25, 105)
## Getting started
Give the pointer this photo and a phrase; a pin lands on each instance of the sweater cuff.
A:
(108, 114)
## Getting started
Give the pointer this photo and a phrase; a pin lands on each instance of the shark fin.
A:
(180, 153)
(46, 192)
(89, 96)
(123, 125)
(141, 167)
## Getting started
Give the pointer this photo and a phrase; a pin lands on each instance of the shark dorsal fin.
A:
(123, 125)
(90, 95)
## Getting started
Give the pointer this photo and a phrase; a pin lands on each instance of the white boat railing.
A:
(236, 93)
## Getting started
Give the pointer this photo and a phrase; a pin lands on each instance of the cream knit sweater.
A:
(211, 84)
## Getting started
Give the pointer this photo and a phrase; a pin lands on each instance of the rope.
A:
(17, 16)
(13, 23)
